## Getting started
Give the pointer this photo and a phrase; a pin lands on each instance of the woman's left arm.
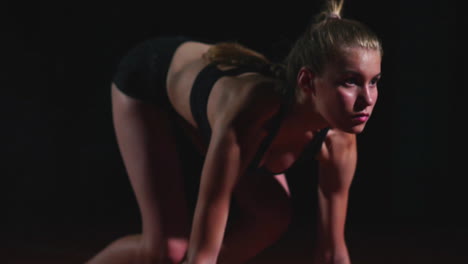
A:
(337, 164)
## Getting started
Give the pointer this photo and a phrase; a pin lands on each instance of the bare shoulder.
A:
(250, 101)
(337, 145)
(245, 112)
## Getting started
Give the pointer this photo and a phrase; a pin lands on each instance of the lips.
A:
(361, 118)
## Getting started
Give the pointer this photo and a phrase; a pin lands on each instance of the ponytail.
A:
(331, 10)
(235, 54)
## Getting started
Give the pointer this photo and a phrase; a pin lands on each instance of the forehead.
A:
(356, 59)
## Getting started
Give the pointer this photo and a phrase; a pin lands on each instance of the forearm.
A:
(208, 230)
(331, 245)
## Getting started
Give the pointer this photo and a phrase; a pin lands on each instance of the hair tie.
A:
(334, 16)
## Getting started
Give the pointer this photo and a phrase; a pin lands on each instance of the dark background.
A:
(66, 191)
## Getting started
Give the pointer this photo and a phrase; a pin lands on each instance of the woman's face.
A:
(346, 91)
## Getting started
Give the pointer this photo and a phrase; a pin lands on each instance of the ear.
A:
(305, 80)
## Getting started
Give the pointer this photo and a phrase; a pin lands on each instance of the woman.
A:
(251, 120)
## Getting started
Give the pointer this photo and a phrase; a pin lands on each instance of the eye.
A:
(351, 81)
(375, 81)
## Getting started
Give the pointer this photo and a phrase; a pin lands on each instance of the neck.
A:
(304, 118)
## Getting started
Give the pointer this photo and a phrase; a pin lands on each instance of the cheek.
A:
(347, 99)
(373, 98)
(375, 95)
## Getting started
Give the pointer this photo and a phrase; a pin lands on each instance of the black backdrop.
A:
(64, 180)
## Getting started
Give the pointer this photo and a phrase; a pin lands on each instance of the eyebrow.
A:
(358, 73)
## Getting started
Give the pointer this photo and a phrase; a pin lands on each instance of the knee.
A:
(176, 249)
(278, 218)
(269, 210)
(274, 219)
(172, 249)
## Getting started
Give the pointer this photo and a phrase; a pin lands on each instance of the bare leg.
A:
(265, 214)
(148, 149)
(121, 251)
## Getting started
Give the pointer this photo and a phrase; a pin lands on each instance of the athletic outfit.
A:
(142, 74)
(199, 100)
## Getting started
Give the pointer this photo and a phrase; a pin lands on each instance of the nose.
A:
(365, 97)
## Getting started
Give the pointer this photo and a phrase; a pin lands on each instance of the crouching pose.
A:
(250, 120)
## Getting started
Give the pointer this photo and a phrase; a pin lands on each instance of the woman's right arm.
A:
(219, 176)
(234, 141)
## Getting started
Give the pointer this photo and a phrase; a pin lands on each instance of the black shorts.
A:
(142, 72)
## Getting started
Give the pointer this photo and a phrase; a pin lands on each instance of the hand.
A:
(322, 257)
(331, 261)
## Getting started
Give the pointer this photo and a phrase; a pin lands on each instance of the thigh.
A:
(264, 196)
(148, 148)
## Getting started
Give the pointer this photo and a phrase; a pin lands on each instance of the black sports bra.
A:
(201, 89)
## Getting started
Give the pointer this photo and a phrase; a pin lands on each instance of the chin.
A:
(358, 129)
(355, 129)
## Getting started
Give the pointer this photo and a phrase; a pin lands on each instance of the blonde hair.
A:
(325, 37)
(235, 54)
(328, 35)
